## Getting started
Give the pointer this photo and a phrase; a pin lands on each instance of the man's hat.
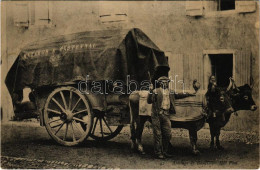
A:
(163, 78)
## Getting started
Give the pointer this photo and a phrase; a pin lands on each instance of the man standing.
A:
(162, 106)
(211, 96)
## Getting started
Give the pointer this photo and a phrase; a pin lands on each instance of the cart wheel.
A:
(68, 116)
(101, 130)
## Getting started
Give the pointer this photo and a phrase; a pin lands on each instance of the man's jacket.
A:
(155, 98)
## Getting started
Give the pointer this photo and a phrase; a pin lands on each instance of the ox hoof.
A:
(196, 152)
(140, 150)
(212, 147)
(133, 146)
(220, 148)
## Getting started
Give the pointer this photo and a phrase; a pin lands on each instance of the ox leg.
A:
(217, 139)
(133, 132)
(212, 135)
(139, 132)
(193, 141)
(133, 122)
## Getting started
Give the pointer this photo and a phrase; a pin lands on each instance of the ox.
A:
(240, 98)
(137, 122)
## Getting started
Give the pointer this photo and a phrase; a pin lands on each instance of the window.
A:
(226, 5)
(219, 8)
(21, 15)
(32, 13)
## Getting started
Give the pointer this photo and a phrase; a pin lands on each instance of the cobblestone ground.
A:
(16, 163)
(27, 145)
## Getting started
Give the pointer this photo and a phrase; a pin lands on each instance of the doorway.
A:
(222, 68)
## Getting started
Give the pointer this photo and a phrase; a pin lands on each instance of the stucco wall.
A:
(165, 23)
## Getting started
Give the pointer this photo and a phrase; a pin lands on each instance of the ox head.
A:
(220, 101)
(242, 98)
(224, 100)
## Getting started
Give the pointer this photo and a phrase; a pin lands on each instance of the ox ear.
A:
(247, 86)
(252, 86)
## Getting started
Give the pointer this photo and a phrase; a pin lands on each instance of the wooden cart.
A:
(55, 67)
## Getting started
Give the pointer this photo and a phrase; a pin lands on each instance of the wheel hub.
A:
(63, 116)
(67, 116)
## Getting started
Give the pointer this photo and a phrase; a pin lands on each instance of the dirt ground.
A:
(27, 145)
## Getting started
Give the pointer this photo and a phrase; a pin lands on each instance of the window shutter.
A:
(193, 69)
(113, 17)
(242, 67)
(32, 13)
(245, 6)
(111, 12)
(194, 8)
(176, 69)
(21, 15)
(207, 71)
(42, 13)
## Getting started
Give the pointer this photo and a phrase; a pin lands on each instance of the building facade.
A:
(200, 38)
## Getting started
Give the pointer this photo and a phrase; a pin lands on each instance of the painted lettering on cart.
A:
(77, 47)
(63, 48)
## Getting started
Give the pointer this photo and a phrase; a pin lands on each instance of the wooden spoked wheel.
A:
(68, 116)
(101, 130)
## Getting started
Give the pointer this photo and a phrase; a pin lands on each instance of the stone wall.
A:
(166, 23)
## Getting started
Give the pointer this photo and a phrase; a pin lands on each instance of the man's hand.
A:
(151, 86)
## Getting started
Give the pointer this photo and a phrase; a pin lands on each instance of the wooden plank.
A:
(242, 67)
(245, 6)
(194, 8)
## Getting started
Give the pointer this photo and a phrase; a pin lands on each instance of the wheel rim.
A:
(67, 116)
(101, 130)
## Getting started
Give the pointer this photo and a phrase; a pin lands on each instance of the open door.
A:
(222, 68)
(220, 65)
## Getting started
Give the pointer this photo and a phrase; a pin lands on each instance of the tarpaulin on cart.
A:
(102, 55)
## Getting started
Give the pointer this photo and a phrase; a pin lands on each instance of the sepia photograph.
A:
(162, 84)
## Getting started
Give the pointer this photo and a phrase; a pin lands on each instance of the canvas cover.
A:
(102, 55)
(187, 109)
